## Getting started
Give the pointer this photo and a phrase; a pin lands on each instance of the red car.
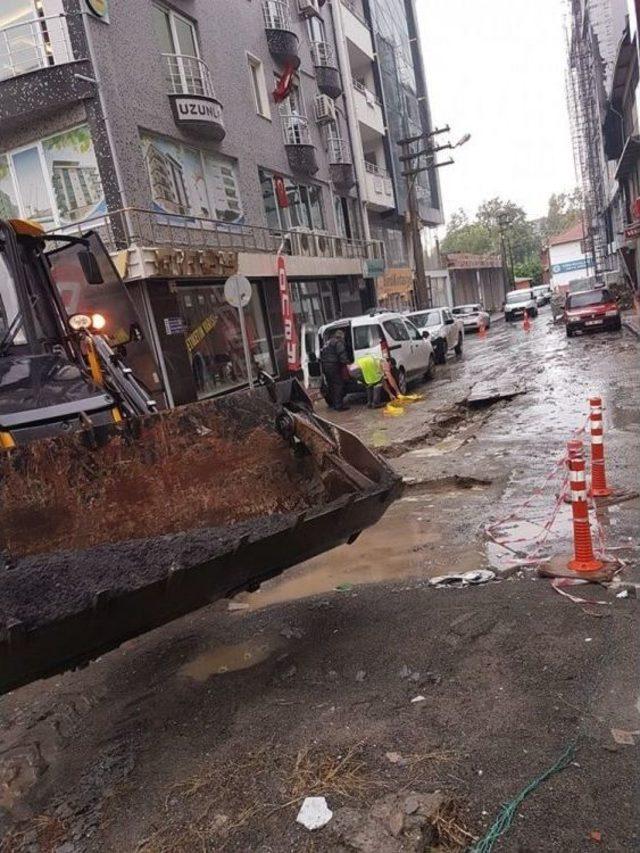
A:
(591, 310)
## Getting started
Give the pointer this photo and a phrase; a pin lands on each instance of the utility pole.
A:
(422, 288)
(503, 222)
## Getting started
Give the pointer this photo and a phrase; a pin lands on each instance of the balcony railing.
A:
(188, 75)
(322, 54)
(375, 170)
(277, 14)
(136, 227)
(32, 45)
(295, 130)
(370, 97)
(338, 150)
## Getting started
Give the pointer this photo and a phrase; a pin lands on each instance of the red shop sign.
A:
(288, 318)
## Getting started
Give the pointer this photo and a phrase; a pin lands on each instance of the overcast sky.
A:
(495, 69)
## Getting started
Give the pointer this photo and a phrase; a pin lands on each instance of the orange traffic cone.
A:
(599, 488)
(526, 322)
(482, 329)
(584, 559)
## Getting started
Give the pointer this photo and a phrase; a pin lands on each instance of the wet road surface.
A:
(193, 737)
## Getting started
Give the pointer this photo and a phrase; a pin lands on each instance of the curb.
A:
(631, 328)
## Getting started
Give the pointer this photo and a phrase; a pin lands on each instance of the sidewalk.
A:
(631, 320)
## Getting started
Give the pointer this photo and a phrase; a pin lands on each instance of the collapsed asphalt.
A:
(134, 752)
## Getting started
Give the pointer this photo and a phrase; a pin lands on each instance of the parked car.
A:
(384, 334)
(591, 310)
(445, 332)
(472, 316)
(542, 293)
(519, 301)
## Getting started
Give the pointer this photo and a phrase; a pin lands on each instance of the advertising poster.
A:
(191, 182)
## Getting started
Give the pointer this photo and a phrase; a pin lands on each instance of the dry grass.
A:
(451, 829)
(321, 772)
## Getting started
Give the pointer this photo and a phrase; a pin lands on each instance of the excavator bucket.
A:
(106, 536)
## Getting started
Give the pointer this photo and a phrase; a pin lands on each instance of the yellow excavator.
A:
(118, 516)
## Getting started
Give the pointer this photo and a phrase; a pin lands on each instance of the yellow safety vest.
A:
(371, 369)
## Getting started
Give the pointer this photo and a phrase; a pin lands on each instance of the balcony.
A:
(368, 112)
(171, 245)
(326, 68)
(340, 165)
(301, 152)
(39, 71)
(281, 37)
(357, 33)
(378, 189)
(193, 99)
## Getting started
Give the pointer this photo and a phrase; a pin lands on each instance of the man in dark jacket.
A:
(334, 359)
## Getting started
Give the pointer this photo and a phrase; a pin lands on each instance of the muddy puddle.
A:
(233, 658)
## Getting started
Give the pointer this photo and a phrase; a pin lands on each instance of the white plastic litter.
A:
(314, 813)
(463, 579)
(418, 699)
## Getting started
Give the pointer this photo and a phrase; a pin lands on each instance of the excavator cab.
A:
(44, 387)
(116, 518)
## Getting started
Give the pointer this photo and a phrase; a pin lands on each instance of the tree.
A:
(564, 210)
(482, 235)
(531, 268)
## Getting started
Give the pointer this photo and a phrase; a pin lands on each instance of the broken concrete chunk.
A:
(314, 813)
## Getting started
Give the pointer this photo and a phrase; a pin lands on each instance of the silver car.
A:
(473, 316)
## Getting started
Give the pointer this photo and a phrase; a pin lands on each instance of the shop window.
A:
(54, 181)
(189, 181)
(214, 340)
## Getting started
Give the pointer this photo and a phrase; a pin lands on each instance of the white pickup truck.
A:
(445, 332)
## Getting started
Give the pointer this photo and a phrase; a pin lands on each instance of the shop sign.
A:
(185, 263)
(288, 318)
(196, 111)
(99, 8)
(373, 267)
(569, 266)
(632, 232)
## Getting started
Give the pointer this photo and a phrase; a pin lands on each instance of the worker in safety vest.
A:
(373, 376)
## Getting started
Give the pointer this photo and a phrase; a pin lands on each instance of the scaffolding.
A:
(586, 101)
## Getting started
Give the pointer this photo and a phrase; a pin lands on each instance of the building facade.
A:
(386, 101)
(595, 28)
(200, 138)
(568, 258)
(622, 139)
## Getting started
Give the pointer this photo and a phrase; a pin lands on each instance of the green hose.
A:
(509, 810)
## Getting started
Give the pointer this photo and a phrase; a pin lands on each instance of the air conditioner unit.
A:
(325, 109)
(309, 8)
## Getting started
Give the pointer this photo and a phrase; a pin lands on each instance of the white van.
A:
(384, 334)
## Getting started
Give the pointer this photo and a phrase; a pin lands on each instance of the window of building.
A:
(214, 340)
(304, 208)
(316, 29)
(189, 181)
(178, 41)
(54, 181)
(259, 86)
(31, 37)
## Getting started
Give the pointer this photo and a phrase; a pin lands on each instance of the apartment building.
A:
(200, 138)
(386, 100)
(595, 28)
